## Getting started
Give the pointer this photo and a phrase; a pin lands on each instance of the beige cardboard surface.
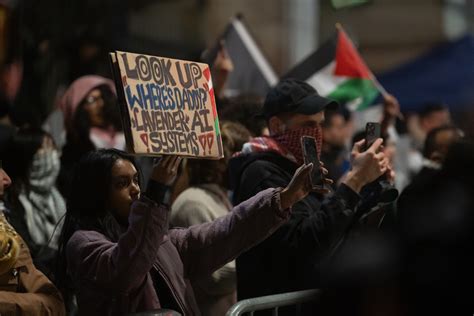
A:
(168, 106)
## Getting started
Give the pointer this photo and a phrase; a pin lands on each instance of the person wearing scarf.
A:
(35, 204)
(24, 290)
(288, 261)
(43, 204)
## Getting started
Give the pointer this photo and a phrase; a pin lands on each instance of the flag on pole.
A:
(337, 71)
(252, 72)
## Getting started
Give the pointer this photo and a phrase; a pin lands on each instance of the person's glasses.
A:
(91, 99)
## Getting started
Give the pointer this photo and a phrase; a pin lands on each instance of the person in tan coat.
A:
(24, 290)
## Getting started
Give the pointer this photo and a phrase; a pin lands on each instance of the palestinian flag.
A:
(337, 71)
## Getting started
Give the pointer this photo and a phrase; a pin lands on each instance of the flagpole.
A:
(378, 85)
(374, 79)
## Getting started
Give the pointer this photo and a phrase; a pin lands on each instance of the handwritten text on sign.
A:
(169, 104)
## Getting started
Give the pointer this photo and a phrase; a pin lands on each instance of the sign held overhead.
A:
(167, 106)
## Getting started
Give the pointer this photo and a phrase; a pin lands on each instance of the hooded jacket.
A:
(76, 146)
(77, 91)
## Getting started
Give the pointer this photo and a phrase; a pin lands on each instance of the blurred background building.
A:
(66, 39)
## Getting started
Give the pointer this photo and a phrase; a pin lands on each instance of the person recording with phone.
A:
(287, 261)
(377, 205)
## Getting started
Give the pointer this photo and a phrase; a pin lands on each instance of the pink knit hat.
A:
(77, 91)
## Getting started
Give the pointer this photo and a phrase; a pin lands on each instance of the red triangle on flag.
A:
(348, 61)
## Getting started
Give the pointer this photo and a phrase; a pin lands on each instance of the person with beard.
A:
(288, 260)
(35, 204)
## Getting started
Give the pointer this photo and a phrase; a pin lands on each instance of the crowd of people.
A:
(88, 229)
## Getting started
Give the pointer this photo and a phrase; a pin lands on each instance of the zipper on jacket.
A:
(157, 266)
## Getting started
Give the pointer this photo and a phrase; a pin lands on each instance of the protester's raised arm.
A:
(206, 247)
(165, 170)
(162, 176)
(298, 188)
(122, 265)
(391, 111)
(366, 165)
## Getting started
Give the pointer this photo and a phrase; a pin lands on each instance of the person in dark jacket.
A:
(118, 253)
(435, 149)
(287, 261)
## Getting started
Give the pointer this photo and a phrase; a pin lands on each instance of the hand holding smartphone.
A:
(372, 133)
(310, 155)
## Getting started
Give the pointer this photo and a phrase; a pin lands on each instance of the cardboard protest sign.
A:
(167, 106)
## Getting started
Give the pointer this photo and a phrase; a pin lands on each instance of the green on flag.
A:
(338, 72)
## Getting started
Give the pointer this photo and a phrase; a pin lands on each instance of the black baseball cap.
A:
(294, 96)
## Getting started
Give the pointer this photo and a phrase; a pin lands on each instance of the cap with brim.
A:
(313, 104)
(294, 96)
(309, 105)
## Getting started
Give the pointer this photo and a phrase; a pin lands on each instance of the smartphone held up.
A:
(310, 155)
(373, 131)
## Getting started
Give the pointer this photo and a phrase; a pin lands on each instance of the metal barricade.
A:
(273, 302)
(157, 312)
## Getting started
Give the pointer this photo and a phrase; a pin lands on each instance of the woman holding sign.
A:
(118, 253)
